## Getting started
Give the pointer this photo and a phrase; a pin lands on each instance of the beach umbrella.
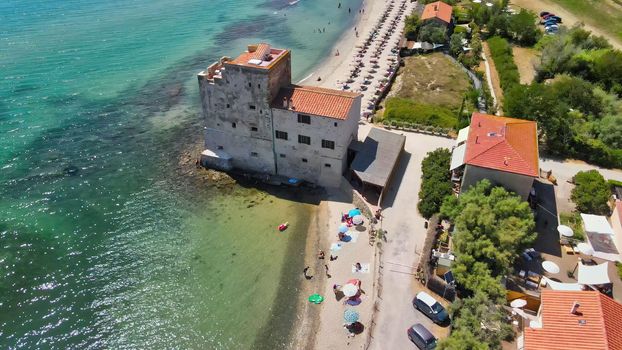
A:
(350, 315)
(354, 212)
(565, 231)
(343, 228)
(350, 290)
(518, 303)
(585, 248)
(550, 267)
(357, 219)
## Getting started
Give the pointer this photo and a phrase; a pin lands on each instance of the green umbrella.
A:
(350, 315)
(316, 298)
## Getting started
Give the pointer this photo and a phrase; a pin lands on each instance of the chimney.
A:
(505, 161)
(291, 104)
(285, 104)
(479, 124)
(575, 308)
(476, 139)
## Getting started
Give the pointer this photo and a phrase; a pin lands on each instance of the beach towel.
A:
(335, 247)
(364, 269)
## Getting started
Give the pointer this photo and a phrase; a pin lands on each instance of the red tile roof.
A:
(504, 144)
(438, 10)
(597, 326)
(316, 101)
(259, 52)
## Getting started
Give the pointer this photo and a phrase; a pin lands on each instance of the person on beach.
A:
(341, 236)
(333, 257)
(320, 254)
(339, 6)
(304, 272)
(349, 10)
(358, 267)
(327, 274)
(337, 53)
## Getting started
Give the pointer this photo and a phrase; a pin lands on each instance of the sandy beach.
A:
(321, 326)
(335, 68)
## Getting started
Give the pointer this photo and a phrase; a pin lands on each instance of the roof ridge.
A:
(519, 155)
(485, 150)
(326, 91)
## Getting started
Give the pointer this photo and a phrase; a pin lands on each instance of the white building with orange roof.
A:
(500, 149)
(256, 120)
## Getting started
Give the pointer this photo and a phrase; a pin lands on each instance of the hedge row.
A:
(501, 52)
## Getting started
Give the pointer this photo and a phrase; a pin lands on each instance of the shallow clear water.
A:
(102, 243)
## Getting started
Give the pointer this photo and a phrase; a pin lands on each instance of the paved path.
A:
(405, 235)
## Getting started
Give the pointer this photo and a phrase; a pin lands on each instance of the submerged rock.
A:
(71, 170)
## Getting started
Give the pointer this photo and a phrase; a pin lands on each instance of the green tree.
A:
(455, 44)
(461, 339)
(523, 29)
(608, 68)
(435, 182)
(610, 131)
(412, 24)
(432, 33)
(591, 193)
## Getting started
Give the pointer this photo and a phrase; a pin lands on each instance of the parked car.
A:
(557, 18)
(548, 15)
(421, 337)
(425, 303)
(544, 13)
(550, 22)
(554, 27)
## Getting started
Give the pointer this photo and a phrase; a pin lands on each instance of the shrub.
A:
(406, 110)
(435, 182)
(591, 193)
(574, 221)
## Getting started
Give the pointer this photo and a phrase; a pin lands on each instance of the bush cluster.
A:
(435, 182)
(591, 193)
(492, 226)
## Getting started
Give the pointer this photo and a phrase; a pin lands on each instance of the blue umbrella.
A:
(343, 228)
(354, 212)
(350, 315)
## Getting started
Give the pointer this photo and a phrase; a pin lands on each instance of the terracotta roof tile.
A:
(504, 144)
(316, 101)
(597, 326)
(438, 10)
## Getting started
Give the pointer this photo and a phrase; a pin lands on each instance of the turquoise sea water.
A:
(102, 243)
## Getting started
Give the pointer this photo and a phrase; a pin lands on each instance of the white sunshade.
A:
(550, 267)
(593, 274)
(596, 224)
(562, 286)
(463, 134)
(457, 157)
(565, 231)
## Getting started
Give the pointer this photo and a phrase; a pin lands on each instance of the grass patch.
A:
(573, 220)
(501, 53)
(600, 13)
(407, 110)
(619, 268)
(434, 80)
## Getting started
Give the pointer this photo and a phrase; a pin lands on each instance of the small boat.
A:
(283, 226)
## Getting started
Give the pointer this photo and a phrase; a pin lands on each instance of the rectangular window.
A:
(221, 147)
(304, 139)
(233, 125)
(281, 135)
(303, 118)
(253, 128)
(327, 165)
(252, 107)
(304, 160)
(282, 155)
(328, 144)
(228, 105)
(254, 154)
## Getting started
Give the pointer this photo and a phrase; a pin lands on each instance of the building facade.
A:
(257, 121)
(500, 149)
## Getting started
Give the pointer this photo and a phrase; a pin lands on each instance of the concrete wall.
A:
(520, 184)
(236, 109)
(342, 132)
